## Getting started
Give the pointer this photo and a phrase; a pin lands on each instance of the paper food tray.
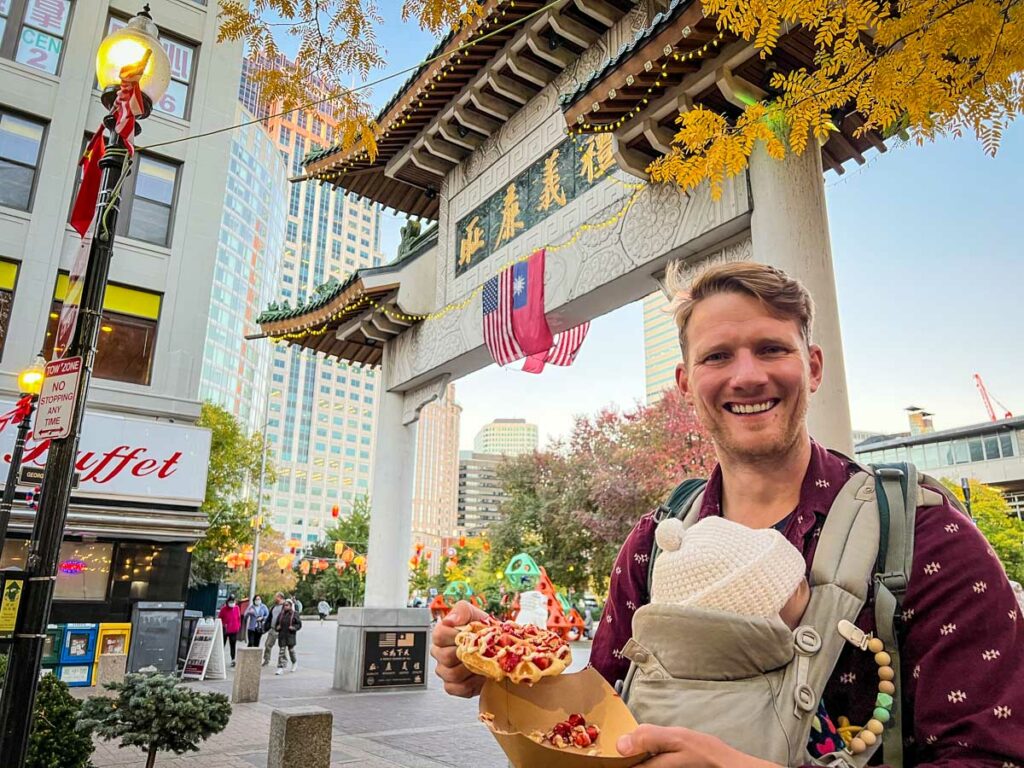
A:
(519, 710)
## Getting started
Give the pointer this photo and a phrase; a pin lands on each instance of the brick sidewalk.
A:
(422, 729)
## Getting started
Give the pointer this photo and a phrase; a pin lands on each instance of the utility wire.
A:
(364, 86)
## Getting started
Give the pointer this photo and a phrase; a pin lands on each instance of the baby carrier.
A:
(755, 683)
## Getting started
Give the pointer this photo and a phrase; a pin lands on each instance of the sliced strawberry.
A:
(542, 662)
(510, 661)
(581, 739)
(576, 719)
(562, 729)
(593, 733)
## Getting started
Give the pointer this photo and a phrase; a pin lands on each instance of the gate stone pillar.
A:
(789, 230)
(387, 574)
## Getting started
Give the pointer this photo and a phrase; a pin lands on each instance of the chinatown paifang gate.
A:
(479, 142)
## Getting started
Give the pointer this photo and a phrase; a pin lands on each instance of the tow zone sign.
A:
(57, 398)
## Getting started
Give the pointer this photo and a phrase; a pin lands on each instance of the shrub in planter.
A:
(156, 713)
(55, 741)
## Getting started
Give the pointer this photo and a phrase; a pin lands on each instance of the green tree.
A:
(156, 713)
(54, 741)
(997, 524)
(234, 464)
(571, 507)
(345, 587)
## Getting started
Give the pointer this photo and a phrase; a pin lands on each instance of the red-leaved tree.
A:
(572, 505)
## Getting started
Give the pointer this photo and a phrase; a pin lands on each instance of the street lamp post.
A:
(30, 381)
(259, 502)
(131, 55)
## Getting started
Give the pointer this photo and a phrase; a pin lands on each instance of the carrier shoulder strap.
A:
(897, 494)
(678, 505)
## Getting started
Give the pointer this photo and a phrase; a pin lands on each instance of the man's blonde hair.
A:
(780, 294)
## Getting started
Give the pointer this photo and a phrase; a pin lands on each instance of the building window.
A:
(127, 332)
(147, 212)
(182, 56)
(8, 278)
(21, 144)
(82, 571)
(32, 32)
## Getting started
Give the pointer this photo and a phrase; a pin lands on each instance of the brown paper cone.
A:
(519, 710)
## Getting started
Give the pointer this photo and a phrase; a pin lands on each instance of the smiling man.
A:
(750, 368)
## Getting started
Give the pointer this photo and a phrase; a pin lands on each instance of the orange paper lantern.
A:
(335, 511)
(462, 542)
(348, 555)
(304, 567)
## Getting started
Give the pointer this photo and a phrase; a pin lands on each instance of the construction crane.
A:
(988, 398)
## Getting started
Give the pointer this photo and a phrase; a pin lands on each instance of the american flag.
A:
(497, 304)
(562, 352)
(567, 344)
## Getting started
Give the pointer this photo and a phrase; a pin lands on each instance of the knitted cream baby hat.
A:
(723, 566)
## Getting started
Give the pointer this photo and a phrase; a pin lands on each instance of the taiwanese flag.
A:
(89, 188)
(529, 325)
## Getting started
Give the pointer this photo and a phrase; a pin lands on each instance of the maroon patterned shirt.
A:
(961, 646)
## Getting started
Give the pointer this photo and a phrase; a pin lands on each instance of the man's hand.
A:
(683, 748)
(458, 680)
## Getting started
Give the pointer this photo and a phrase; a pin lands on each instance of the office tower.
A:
(506, 437)
(661, 347)
(321, 411)
(436, 487)
(245, 278)
(480, 492)
(131, 520)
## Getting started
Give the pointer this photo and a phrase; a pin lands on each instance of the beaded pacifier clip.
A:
(859, 738)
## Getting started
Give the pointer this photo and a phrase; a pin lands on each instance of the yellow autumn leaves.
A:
(920, 68)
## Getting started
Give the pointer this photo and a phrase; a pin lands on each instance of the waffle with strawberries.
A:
(522, 654)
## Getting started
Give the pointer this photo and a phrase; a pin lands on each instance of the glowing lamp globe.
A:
(30, 380)
(133, 46)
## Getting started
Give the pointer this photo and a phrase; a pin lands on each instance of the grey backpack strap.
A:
(897, 495)
(678, 505)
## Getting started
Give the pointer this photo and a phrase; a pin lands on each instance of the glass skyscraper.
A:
(322, 411)
(245, 277)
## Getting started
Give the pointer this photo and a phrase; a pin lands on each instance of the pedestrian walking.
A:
(324, 609)
(231, 620)
(288, 623)
(256, 616)
(275, 613)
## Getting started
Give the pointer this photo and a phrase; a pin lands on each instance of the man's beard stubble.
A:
(763, 453)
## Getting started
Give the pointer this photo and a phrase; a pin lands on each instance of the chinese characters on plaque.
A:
(394, 659)
(551, 183)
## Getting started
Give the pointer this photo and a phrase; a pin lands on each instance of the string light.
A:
(409, 111)
(659, 80)
(464, 303)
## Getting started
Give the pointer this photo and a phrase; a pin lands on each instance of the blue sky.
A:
(929, 267)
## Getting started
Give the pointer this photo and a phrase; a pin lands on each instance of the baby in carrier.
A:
(720, 649)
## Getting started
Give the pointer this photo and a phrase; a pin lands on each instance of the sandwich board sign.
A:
(205, 659)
